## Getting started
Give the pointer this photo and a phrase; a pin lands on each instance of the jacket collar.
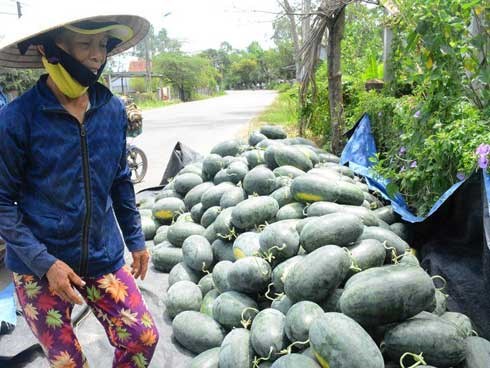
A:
(98, 94)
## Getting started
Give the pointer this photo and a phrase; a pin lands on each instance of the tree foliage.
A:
(186, 73)
(157, 42)
(19, 79)
(434, 129)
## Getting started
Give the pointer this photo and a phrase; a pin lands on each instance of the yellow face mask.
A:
(63, 80)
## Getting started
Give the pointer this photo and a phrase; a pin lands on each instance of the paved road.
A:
(199, 125)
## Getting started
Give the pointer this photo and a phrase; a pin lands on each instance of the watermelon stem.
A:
(247, 322)
(269, 254)
(354, 265)
(437, 277)
(261, 227)
(473, 333)
(419, 359)
(176, 215)
(382, 346)
(261, 269)
(230, 236)
(305, 209)
(269, 290)
(394, 256)
(257, 360)
(204, 270)
(288, 349)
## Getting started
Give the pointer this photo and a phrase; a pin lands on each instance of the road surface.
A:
(199, 125)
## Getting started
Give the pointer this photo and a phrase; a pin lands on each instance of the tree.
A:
(19, 79)
(226, 47)
(256, 52)
(220, 60)
(330, 18)
(246, 71)
(186, 73)
(363, 27)
(294, 35)
(163, 43)
(285, 64)
(298, 19)
(157, 43)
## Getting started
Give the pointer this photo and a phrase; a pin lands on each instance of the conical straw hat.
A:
(30, 27)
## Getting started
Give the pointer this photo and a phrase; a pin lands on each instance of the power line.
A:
(18, 4)
(19, 9)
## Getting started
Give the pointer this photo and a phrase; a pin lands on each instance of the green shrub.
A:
(422, 167)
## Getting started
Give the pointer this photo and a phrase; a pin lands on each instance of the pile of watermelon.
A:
(280, 257)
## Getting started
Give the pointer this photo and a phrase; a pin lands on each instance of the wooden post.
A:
(147, 64)
(387, 51)
(391, 9)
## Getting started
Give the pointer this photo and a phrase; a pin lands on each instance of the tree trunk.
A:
(182, 96)
(294, 32)
(336, 32)
(306, 22)
(305, 29)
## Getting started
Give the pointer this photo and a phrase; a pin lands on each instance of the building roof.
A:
(137, 66)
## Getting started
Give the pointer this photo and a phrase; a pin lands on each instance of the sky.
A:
(199, 24)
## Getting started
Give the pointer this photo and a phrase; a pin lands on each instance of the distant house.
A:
(120, 85)
(121, 82)
(136, 66)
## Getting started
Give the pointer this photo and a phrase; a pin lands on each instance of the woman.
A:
(65, 191)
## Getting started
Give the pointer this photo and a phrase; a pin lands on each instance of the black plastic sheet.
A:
(452, 238)
(453, 243)
(180, 157)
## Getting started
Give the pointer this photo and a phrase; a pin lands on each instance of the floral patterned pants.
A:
(116, 302)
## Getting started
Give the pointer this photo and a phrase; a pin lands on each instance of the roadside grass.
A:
(153, 104)
(283, 111)
(199, 97)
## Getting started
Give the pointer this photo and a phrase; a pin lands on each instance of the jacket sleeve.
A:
(13, 158)
(124, 201)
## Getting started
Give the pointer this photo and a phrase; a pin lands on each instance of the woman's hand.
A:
(61, 279)
(140, 263)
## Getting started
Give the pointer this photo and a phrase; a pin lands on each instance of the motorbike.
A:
(137, 162)
(136, 158)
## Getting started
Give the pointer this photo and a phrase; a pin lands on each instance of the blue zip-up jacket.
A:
(63, 184)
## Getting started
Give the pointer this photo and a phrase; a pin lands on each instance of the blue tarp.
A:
(7, 305)
(359, 153)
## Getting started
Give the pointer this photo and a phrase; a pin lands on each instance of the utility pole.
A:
(19, 9)
(147, 63)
